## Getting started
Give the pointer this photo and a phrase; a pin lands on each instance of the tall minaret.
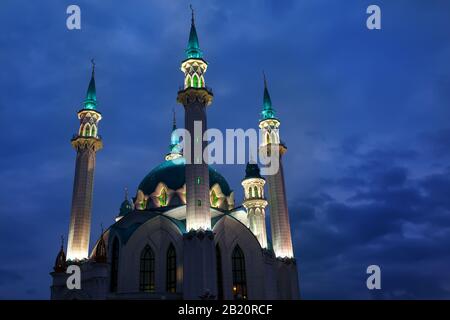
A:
(199, 254)
(255, 203)
(195, 97)
(86, 143)
(279, 216)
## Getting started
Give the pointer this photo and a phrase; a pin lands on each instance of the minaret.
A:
(195, 97)
(175, 151)
(199, 255)
(86, 143)
(279, 216)
(255, 203)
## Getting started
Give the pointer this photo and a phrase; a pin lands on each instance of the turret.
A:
(255, 203)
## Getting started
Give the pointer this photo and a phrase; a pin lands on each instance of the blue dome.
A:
(172, 173)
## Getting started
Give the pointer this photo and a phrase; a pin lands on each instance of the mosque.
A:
(182, 236)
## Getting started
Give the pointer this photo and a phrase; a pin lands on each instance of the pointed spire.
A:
(60, 262)
(125, 206)
(193, 48)
(100, 250)
(91, 96)
(174, 147)
(174, 121)
(268, 111)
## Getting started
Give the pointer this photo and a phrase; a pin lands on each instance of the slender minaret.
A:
(255, 203)
(279, 216)
(195, 97)
(86, 143)
(199, 254)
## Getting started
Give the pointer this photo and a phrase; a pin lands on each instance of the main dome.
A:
(172, 174)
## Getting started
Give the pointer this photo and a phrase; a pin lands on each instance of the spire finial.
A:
(101, 226)
(62, 241)
(265, 79)
(192, 11)
(93, 66)
(174, 121)
(126, 193)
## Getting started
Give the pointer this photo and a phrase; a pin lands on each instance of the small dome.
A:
(172, 174)
(125, 207)
(252, 171)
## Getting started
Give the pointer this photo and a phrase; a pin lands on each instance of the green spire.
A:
(91, 96)
(193, 48)
(174, 147)
(268, 112)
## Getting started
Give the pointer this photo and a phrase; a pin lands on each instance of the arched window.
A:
(87, 130)
(147, 273)
(171, 270)
(255, 190)
(267, 138)
(93, 131)
(219, 273)
(195, 81)
(163, 197)
(239, 277)
(114, 265)
(250, 192)
(202, 82)
(188, 81)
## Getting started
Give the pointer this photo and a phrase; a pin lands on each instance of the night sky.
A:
(365, 116)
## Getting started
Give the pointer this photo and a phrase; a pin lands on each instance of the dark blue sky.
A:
(364, 114)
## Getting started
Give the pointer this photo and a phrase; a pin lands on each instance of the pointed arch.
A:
(93, 131)
(255, 192)
(268, 139)
(188, 81)
(87, 130)
(147, 271)
(114, 265)
(195, 81)
(171, 269)
(239, 275)
(202, 81)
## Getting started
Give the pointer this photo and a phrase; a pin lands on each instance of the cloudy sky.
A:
(364, 115)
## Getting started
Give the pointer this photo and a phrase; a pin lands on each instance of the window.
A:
(171, 270)
(219, 273)
(255, 190)
(195, 81)
(239, 277)
(214, 199)
(93, 131)
(162, 198)
(114, 265)
(199, 180)
(147, 272)
(199, 203)
(188, 82)
(87, 130)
